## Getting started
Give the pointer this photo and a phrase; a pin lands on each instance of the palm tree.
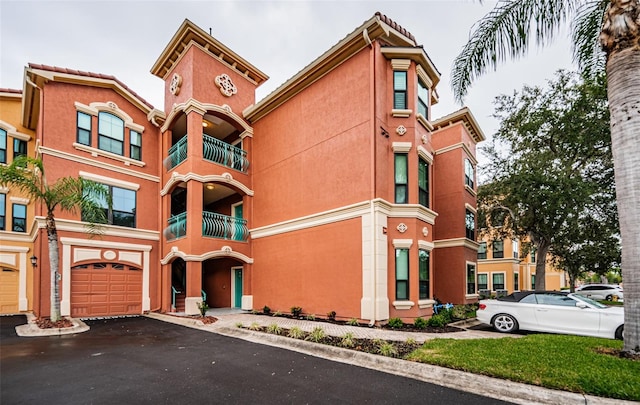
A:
(66, 194)
(605, 33)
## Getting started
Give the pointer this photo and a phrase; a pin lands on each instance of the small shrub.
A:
(411, 341)
(420, 323)
(353, 322)
(296, 311)
(239, 325)
(296, 333)
(266, 310)
(316, 335)
(331, 315)
(387, 349)
(396, 323)
(255, 312)
(274, 329)
(347, 340)
(311, 317)
(203, 307)
(437, 321)
(459, 312)
(277, 313)
(255, 326)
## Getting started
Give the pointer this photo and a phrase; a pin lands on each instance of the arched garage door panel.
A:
(105, 290)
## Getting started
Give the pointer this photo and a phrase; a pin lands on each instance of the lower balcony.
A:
(213, 226)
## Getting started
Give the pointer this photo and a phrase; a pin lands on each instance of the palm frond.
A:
(506, 33)
(585, 31)
(23, 174)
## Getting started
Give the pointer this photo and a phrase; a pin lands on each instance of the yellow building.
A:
(16, 212)
(502, 267)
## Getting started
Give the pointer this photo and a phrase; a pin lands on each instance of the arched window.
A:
(110, 133)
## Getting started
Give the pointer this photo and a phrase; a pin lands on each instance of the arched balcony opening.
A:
(222, 215)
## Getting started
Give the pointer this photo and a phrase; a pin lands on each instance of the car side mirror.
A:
(581, 305)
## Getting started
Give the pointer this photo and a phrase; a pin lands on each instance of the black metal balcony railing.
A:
(224, 154)
(224, 227)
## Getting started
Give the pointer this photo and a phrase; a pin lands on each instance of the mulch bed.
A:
(46, 323)
(618, 353)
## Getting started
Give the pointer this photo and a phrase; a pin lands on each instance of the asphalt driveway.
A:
(145, 361)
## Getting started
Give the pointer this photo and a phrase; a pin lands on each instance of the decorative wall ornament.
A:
(111, 104)
(226, 108)
(425, 139)
(401, 130)
(176, 82)
(425, 231)
(109, 254)
(402, 228)
(227, 249)
(226, 85)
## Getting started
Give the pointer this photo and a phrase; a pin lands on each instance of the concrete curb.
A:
(505, 390)
(31, 329)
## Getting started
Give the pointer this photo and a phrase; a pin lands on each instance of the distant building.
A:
(336, 192)
(503, 267)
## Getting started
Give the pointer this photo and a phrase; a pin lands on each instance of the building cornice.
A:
(464, 117)
(456, 242)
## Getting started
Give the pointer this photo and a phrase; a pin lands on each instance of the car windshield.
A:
(588, 301)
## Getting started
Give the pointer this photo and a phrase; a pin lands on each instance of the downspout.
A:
(374, 227)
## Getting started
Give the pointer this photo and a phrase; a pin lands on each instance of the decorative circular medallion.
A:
(226, 85)
(176, 82)
(425, 231)
(401, 130)
(109, 255)
(402, 228)
(424, 138)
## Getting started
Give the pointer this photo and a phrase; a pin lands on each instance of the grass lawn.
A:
(569, 363)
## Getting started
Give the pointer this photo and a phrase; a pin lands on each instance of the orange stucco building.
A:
(336, 192)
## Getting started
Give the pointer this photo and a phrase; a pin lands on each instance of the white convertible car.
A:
(553, 312)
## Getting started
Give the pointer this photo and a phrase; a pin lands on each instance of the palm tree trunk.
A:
(54, 262)
(620, 38)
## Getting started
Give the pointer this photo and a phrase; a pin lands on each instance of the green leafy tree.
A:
(605, 33)
(66, 194)
(550, 166)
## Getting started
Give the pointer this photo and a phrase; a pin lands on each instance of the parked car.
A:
(553, 312)
(608, 292)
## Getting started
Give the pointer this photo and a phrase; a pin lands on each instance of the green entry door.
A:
(237, 213)
(237, 299)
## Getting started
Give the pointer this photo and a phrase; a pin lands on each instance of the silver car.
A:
(608, 292)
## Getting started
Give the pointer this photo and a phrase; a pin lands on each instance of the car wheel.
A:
(609, 297)
(620, 332)
(504, 323)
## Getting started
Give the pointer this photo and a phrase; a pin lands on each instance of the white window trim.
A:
(403, 304)
(95, 152)
(470, 208)
(425, 245)
(397, 113)
(477, 286)
(424, 154)
(428, 303)
(401, 147)
(402, 243)
(12, 132)
(109, 181)
(400, 64)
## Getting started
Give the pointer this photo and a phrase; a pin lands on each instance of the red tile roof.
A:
(395, 25)
(89, 74)
(13, 91)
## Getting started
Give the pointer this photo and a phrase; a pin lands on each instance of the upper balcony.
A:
(220, 140)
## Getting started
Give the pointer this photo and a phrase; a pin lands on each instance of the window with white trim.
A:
(516, 281)
(470, 225)
(19, 218)
(401, 178)
(482, 250)
(83, 132)
(423, 183)
(402, 274)
(423, 99)
(497, 281)
(19, 147)
(3, 146)
(122, 211)
(498, 249)
(469, 173)
(110, 133)
(483, 282)
(135, 145)
(423, 274)
(399, 90)
(514, 245)
(471, 278)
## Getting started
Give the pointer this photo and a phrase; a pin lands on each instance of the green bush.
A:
(437, 321)
(395, 323)
(353, 322)
(274, 329)
(347, 340)
(460, 312)
(296, 333)
(203, 307)
(316, 335)
(387, 349)
(266, 310)
(311, 317)
(420, 323)
(331, 316)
